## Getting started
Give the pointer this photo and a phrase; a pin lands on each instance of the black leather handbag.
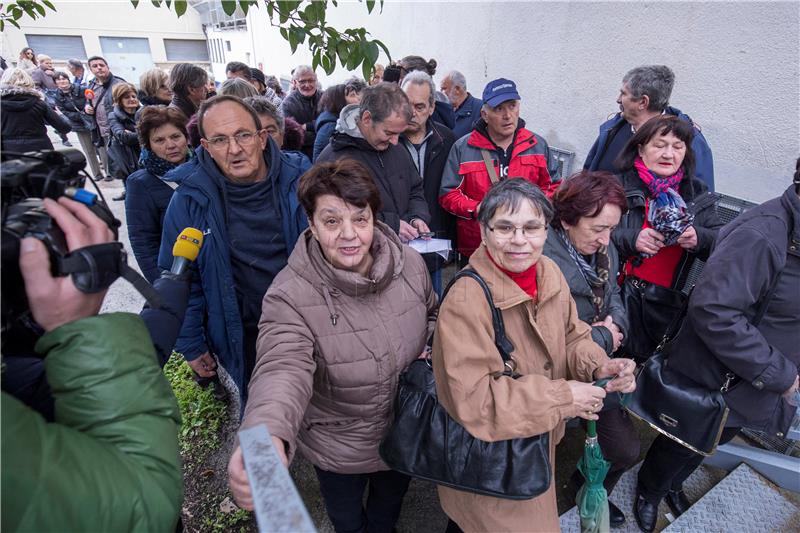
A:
(650, 310)
(673, 404)
(425, 442)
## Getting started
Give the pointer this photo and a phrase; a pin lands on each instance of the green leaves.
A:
(15, 10)
(302, 22)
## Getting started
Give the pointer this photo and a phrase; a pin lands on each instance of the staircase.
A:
(730, 491)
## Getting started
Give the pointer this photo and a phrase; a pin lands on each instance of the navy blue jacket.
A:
(146, 201)
(467, 115)
(326, 125)
(212, 319)
(443, 114)
(704, 161)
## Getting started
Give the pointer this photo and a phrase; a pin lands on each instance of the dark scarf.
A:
(158, 166)
(596, 274)
(667, 211)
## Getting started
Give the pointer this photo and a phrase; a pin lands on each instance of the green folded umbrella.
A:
(592, 499)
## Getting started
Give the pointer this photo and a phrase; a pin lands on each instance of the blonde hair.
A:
(152, 80)
(18, 78)
(120, 90)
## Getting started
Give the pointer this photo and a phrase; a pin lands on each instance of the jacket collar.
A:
(388, 259)
(523, 138)
(505, 292)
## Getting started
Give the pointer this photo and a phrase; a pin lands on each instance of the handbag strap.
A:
(489, 166)
(501, 341)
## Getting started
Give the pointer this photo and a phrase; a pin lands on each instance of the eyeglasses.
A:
(243, 139)
(306, 82)
(507, 231)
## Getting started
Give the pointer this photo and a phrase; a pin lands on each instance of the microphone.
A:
(88, 94)
(185, 250)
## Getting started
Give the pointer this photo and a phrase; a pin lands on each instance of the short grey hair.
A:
(75, 63)
(382, 100)
(655, 81)
(263, 106)
(300, 69)
(419, 77)
(457, 79)
(238, 87)
(509, 194)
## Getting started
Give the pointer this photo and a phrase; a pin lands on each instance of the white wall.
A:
(737, 67)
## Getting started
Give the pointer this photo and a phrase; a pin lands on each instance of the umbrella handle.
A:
(591, 428)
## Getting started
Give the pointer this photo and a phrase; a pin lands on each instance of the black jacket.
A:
(437, 147)
(304, 110)
(25, 117)
(106, 99)
(752, 252)
(397, 179)
(72, 103)
(699, 202)
(581, 292)
(123, 148)
(184, 104)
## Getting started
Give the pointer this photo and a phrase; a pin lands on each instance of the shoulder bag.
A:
(676, 406)
(426, 443)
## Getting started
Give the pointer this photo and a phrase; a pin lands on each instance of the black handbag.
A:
(425, 442)
(650, 310)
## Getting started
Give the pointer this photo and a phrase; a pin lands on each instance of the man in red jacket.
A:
(499, 147)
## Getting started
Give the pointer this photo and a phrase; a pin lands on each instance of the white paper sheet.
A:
(430, 246)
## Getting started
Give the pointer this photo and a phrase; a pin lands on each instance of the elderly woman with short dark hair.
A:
(554, 353)
(350, 311)
(588, 207)
(163, 137)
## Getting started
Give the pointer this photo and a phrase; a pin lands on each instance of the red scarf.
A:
(656, 184)
(525, 280)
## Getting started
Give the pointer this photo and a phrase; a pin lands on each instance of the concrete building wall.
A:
(92, 20)
(737, 67)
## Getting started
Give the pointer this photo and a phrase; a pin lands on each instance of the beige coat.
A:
(552, 345)
(331, 347)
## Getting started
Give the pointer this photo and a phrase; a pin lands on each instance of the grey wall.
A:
(737, 68)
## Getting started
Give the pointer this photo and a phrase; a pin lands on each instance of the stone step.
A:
(743, 501)
(699, 483)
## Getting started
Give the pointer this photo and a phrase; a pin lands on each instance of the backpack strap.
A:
(487, 160)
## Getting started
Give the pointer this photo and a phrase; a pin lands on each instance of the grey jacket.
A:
(331, 347)
(555, 249)
(718, 337)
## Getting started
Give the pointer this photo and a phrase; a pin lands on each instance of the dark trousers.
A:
(619, 442)
(668, 464)
(344, 495)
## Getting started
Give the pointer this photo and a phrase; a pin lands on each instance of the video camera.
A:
(25, 180)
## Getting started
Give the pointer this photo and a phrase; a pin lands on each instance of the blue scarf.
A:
(158, 166)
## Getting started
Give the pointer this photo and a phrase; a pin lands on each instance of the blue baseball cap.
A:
(498, 91)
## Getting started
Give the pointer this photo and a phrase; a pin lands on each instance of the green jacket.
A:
(110, 461)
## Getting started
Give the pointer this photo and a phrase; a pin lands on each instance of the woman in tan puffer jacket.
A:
(351, 310)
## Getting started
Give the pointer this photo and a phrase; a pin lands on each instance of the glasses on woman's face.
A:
(504, 230)
(243, 139)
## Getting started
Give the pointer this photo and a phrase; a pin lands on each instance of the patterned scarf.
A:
(158, 166)
(595, 274)
(656, 184)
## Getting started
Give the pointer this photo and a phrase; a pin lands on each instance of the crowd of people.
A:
(308, 296)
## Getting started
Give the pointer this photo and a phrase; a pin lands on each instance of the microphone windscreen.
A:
(188, 244)
(89, 94)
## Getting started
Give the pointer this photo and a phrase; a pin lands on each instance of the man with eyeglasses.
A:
(302, 105)
(241, 192)
(498, 147)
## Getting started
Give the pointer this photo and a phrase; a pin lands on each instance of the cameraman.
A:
(110, 460)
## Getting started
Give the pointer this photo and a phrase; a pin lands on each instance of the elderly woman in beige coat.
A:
(554, 352)
(351, 310)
